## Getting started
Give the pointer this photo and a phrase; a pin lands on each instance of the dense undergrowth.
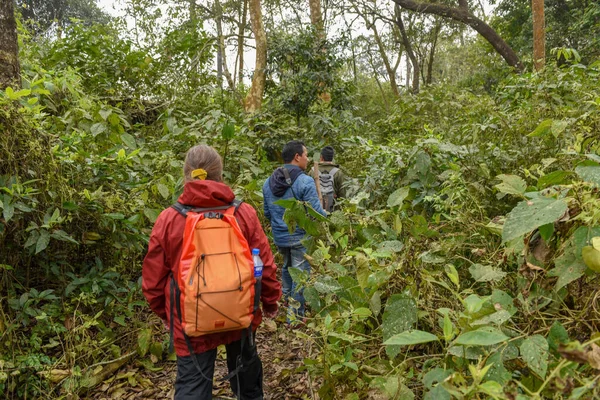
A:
(461, 265)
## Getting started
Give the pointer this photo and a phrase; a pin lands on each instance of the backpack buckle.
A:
(213, 215)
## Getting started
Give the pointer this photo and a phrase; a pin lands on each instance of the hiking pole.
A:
(317, 183)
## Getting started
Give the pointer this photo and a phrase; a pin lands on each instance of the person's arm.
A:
(265, 202)
(339, 186)
(254, 234)
(309, 194)
(155, 272)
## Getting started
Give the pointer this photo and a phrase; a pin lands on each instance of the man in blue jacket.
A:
(288, 182)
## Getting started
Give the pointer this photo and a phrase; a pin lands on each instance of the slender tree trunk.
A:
(193, 12)
(9, 49)
(253, 100)
(316, 18)
(222, 68)
(462, 14)
(242, 28)
(386, 62)
(409, 51)
(539, 34)
(436, 33)
(408, 72)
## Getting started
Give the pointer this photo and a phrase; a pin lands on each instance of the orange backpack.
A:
(214, 286)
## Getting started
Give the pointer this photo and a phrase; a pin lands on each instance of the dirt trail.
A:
(281, 351)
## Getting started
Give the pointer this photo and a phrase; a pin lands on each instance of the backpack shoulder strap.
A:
(184, 210)
(181, 208)
(333, 171)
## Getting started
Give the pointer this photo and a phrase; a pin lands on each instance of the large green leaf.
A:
(409, 338)
(534, 351)
(400, 315)
(481, 337)
(589, 174)
(398, 196)
(511, 184)
(531, 214)
(486, 273)
(570, 266)
(144, 340)
(42, 241)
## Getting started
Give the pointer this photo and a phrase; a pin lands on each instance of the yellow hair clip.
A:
(199, 174)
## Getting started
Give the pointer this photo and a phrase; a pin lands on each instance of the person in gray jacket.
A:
(290, 181)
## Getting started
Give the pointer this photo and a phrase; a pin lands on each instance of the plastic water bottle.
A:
(258, 264)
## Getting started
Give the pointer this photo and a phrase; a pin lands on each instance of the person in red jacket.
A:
(204, 188)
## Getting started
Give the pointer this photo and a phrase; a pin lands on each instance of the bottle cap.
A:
(255, 252)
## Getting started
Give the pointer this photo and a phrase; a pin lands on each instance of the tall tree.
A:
(253, 100)
(370, 18)
(539, 34)
(9, 49)
(464, 15)
(409, 51)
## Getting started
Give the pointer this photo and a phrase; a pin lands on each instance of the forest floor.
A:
(281, 351)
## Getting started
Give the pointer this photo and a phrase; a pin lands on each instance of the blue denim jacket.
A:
(305, 190)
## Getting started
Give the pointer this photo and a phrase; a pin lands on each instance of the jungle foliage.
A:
(464, 263)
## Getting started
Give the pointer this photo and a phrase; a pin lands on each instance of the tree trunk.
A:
(462, 14)
(316, 18)
(409, 51)
(253, 100)
(539, 34)
(242, 28)
(9, 49)
(436, 33)
(221, 54)
(386, 62)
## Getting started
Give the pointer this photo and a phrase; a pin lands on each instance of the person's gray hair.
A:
(205, 157)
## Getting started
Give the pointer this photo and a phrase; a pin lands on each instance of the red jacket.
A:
(164, 252)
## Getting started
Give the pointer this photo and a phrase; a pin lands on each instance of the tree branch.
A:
(463, 15)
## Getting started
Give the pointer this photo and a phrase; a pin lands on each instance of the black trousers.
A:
(190, 385)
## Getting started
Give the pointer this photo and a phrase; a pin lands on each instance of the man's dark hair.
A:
(327, 153)
(291, 149)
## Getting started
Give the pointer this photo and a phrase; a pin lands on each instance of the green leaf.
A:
(97, 128)
(452, 274)
(481, 337)
(546, 231)
(557, 335)
(544, 128)
(398, 196)
(152, 214)
(553, 178)
(144, 340)
(559, 127)
(326, 284)
(410, 337)
(64, 236)
(395, 246)
(589, 174)
(228, 131)
(400, 315)
(163, 190)
(299, 276)
(534, 351)
(120, 319)
(486, 273)
(117, 216)
(511, 184)
(375, 303)
(491, 388)
(448, 329)
(105, 113)
(42, 241)
(9, 211)
(531, 214)
(129, 141)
